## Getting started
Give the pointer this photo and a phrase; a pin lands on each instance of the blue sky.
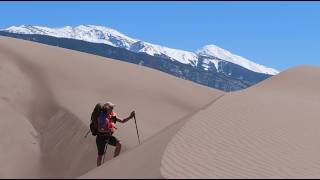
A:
(275, 34)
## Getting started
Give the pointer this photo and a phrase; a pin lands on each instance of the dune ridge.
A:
(144, 161)
(51, 92)
(47, 93)
(266, 131)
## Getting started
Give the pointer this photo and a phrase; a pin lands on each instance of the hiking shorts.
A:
(101, 142)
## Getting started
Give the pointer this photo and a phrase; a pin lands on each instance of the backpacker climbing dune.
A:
(102, 125)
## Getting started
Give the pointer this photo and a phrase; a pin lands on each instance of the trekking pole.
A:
(136, 127)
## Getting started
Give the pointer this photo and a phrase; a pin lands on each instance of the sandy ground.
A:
(270, 130)
(144, 161)
(47, 95)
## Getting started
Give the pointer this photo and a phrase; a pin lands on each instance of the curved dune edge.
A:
(143, 161)
(51, 92)
(270, 130)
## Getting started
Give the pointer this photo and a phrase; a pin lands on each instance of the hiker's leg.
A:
(118, 149)
(101, 143)
(115, 142)
(99, 158)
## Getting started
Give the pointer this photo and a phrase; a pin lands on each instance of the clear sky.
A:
(275, 34)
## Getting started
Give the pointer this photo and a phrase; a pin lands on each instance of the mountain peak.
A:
(213, 50)
(217, 52)
(184, 57)
(89, 33)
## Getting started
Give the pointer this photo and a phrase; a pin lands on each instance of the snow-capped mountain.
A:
(227, 77)
(90, 33)
(184, 57)
(215, 52)
(100, 34)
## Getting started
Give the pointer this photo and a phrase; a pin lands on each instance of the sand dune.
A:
(270, 130)
(47, 95)
(143, 161)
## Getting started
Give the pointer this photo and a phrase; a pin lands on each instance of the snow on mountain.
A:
(90, 33)
(100, 34)
(217, 52)
(184, 57)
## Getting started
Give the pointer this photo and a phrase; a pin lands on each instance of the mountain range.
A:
(210, 65)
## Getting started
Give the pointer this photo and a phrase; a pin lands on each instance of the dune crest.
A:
(266, 131)
(47, 94)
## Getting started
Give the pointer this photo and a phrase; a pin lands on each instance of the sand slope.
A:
(270, 130)
(143, 161)
(47, 95)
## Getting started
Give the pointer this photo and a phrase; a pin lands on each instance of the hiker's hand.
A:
(112, 130)
(132, 114)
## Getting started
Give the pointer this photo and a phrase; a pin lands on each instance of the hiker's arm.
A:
(126, 119)
(123, 120)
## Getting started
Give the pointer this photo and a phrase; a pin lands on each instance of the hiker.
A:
(103, 138)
